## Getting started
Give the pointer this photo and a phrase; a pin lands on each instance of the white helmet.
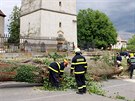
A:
(77, 50)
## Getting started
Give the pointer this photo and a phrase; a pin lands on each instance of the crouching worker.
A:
(56, 70)
(79, 65)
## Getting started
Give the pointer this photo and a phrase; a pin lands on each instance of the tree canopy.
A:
(14, 26)
(131, 44)
(94, 29)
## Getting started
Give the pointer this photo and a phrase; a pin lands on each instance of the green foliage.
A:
(10, 69)
(106, 58)
(45, 61)
(94, 87)
(25, 73)
(96, 58)
(95, 29)
(68, 82)
(14, 26)
(55, 56)
(131, 44)
(120, 97)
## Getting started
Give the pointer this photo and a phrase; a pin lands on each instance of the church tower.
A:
(49, 18)
(2, 16)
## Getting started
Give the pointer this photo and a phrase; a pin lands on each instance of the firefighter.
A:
(62, 67)
(56, 70)
(131, 63)
(118, 60)
(79, 66)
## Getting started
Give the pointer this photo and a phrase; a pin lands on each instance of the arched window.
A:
(60, 24)
(60, 4)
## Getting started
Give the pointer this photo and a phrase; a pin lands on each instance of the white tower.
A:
(2, 16)
(49, 18)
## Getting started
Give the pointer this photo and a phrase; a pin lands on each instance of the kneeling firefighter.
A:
(56, 70)
(79, 65)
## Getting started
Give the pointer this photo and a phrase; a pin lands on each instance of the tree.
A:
(14, 26)
(95, 29)
(131, 44)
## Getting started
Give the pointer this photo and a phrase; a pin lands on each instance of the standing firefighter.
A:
(131, 63)
(56, 70)
(79, 65)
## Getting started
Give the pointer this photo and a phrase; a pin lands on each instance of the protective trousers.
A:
(54, 78)
(132, 67)
(80, 80)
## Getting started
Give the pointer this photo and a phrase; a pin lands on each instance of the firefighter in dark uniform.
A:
(131, 63)
(79, 66)
(62, 67)
(56, 70)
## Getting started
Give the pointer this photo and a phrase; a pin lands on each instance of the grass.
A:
(120, 97)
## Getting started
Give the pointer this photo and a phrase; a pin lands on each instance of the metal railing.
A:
(33, 44)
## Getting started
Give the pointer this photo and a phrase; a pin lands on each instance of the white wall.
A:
(50, 25)
(119, 45)
(29, 6)
(68, 6)
(30, 24)
(44, 23)
(1, 25)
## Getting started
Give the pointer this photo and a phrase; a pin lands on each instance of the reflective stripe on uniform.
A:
(84, 85)
(86, 66)
(79, 63)
(61, 70)
(58, 65)
(72, 68)
(53, 69)
(79, 72)
(80, 87)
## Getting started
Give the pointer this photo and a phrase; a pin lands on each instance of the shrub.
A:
(68, 82)
(25, 73)
(56, 56)
(45, 61)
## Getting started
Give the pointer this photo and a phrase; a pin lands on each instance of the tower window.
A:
(60, 3)
(59, 24)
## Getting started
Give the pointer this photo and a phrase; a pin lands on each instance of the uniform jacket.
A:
(79, 64)
(57, 67)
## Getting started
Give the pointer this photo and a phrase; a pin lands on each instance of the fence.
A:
(33, 44)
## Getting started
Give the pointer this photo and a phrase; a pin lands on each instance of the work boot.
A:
(79, 92)
(130, 77)
(84, 90)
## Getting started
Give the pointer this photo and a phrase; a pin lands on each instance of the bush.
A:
(45, 61)
(56, 56)
(25, 73)
(68, 82)
(94, 87)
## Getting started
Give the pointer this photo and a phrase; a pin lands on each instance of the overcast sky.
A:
(121, 12)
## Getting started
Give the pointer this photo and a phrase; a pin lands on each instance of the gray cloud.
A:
(7, 6)
(121, 12)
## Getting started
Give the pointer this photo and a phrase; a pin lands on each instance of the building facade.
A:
(49, 18)
(120, 43)
(2, 16)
